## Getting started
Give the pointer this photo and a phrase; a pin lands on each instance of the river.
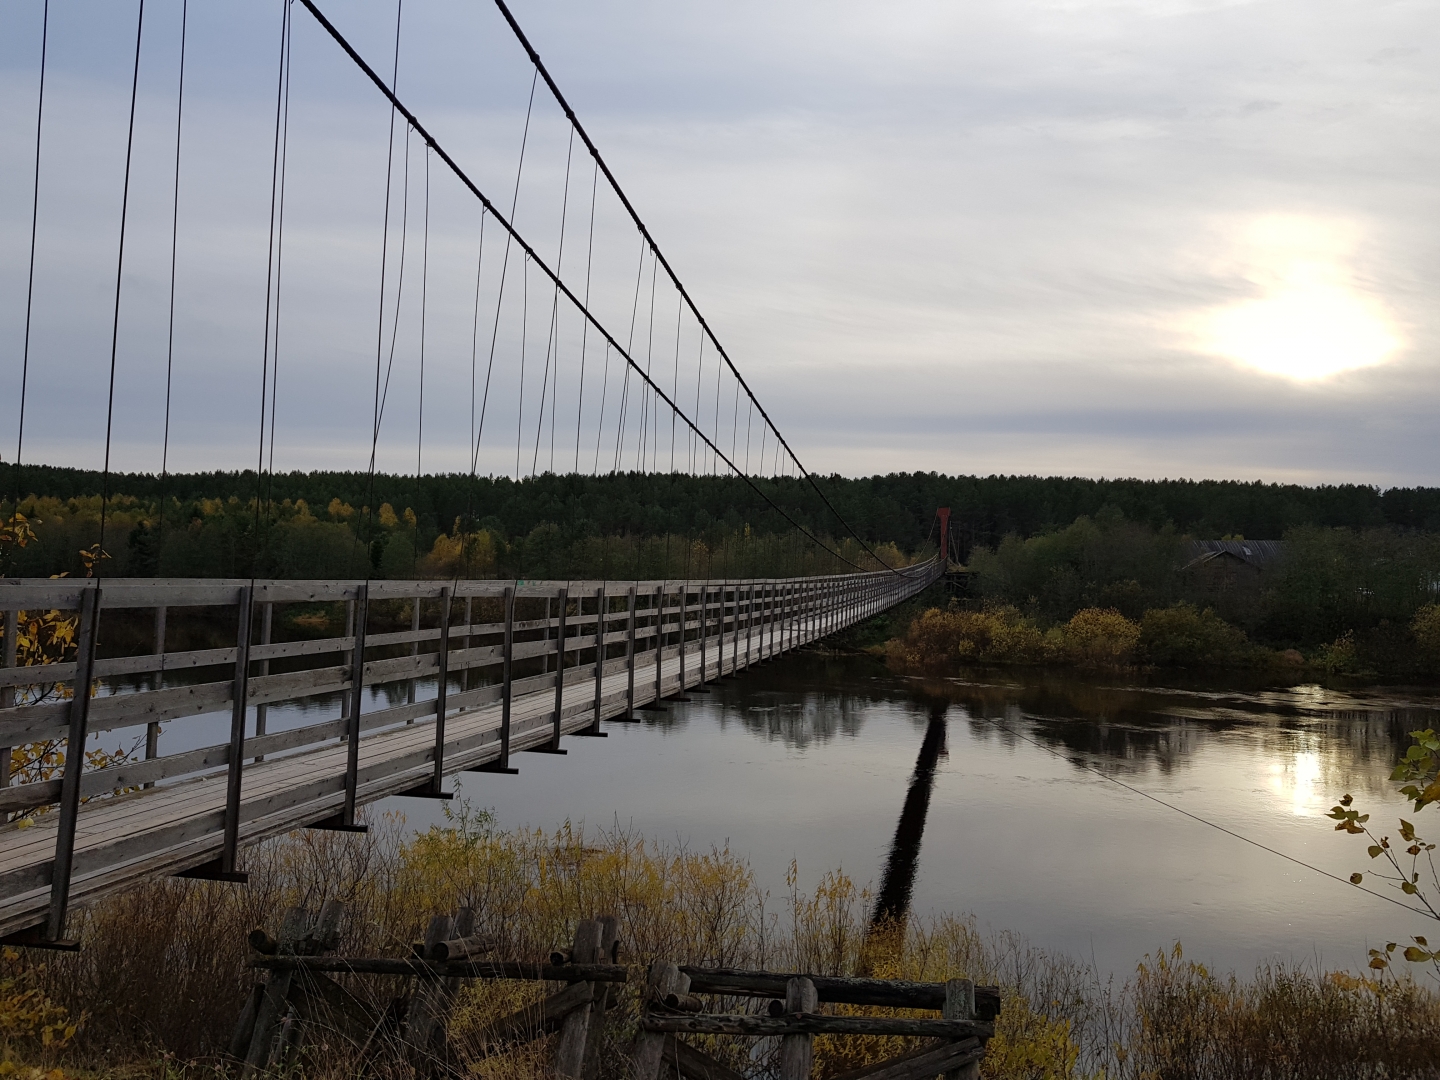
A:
(996, 794)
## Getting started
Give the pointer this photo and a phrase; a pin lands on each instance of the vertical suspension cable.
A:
(675, 383)
(420, 410)
(699, 375)
(98, 562)
(271, 270)
(629, 348)
(550, 336)
(524, 332)
(474, 357)
(279, 242)
(399, 278)
(585, 323)
(30, 278)
(384, 266)
(646, 398)
(504, 270)
(170, 333)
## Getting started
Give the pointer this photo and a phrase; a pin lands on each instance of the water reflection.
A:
(897, 883)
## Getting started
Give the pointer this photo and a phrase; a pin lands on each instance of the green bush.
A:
(1184, 636)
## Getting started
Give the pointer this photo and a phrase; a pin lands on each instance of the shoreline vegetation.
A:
(1181, 636)
(165, 968)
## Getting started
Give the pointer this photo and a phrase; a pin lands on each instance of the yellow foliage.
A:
(27, 1016)
(998, 635)
(456, 555)
(1029, 1045)
(1426, 628)
(388, 520)
(1100, 636)
(340, 511)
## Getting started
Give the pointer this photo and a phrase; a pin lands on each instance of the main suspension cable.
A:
(674, 278)
(513, 234)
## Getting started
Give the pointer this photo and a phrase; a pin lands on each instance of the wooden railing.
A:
(484, 669)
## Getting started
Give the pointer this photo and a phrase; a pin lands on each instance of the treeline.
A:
(231, 537)
(898, 507)
(1352, 593)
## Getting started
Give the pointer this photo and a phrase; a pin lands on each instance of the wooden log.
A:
(245, 1026)
(923, 1064)
(569, 1057)
(275, 1000)
(425, 1019)
(891, 993)
(663, 979)
(463, 969)
(692, 1064)
(607, 949)
(816, 1024)
(320, 1001)
(960, 1005)
(797, 1050)
(462, 948)
(541, 1018)
(684, 1003)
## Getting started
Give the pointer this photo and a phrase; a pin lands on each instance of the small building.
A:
(1220, 568)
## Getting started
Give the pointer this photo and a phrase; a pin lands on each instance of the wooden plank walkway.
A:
(202, 805)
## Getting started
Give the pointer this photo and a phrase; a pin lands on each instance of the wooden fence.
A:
(483, 670)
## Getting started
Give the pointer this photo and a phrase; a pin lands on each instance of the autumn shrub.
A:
(1426, 629)
(1283, 1024)
(1185, 636)
(995, 635)
(1100, 637)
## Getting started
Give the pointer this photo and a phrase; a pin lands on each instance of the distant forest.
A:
(897, 508)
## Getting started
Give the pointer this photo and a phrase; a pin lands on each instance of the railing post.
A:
(442, 690)
(74, 765)
(152, 730)
(507, 679)
(704, 630)
(735, 646)
(601, 603)
(659, 640)
(261, 711)
(414, 649)
(357, 700)
(239, 704)
(564, 598)
(7, 693)
(684, 595)
(630, 657)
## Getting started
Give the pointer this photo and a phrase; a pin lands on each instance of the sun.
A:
(1309, 322)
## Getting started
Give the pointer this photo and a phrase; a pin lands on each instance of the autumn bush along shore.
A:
(1179, 636)
(165, 969)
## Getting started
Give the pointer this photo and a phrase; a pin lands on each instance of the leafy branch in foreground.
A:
(1411, 869)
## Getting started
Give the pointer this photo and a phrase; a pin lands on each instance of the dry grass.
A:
(166, 968)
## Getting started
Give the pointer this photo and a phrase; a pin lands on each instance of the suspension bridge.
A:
(263, 730)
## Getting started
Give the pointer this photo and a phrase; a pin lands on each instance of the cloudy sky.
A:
(1164, 238)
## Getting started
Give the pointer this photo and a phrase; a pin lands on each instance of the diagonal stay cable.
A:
(1196, 817)
(674, 278)
(514, 234)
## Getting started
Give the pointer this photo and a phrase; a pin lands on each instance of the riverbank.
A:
(165, 968)
(1180, 636)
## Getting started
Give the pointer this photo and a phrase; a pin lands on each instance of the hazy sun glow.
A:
(1309, 321)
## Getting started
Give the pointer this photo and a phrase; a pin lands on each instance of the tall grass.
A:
(165, 968)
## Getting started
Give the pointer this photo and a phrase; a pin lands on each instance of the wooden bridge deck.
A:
(190, 811)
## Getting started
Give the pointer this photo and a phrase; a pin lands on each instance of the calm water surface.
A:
(996, 786)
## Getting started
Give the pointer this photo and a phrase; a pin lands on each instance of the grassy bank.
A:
(164, 971)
